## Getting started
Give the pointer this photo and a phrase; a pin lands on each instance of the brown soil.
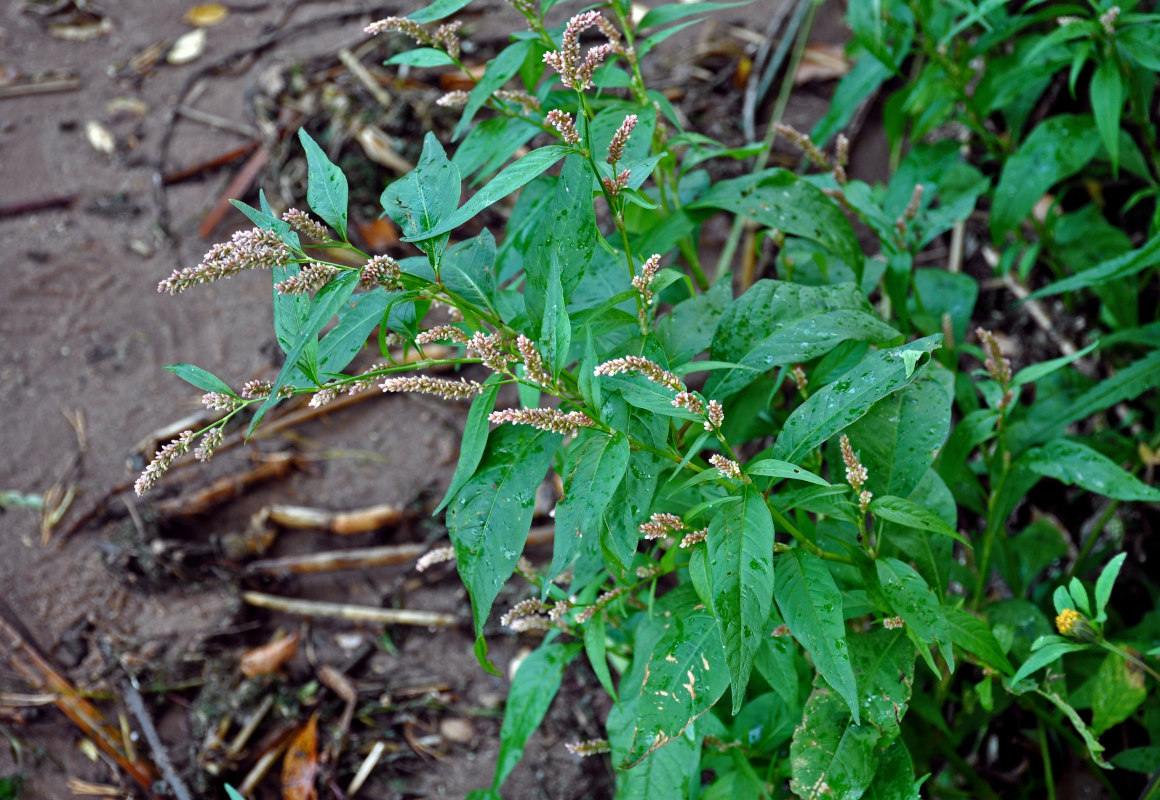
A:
(111, 595)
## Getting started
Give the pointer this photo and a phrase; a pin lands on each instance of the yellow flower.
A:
(1071, 623)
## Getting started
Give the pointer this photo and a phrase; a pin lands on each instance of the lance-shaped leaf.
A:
(206, 381)
(513, 177)
(685, 676)
(973, 635)
(534, 686)
(912, 599)
(593, 469)
(911, 515)
(1080, 465)
(474, 440)
(830, 757)
(425, 197)
(740, 554)
(899, 437)
(490, 517)
(779, 199)
(777, 323)
(326, 188)
(811, 605)
(836, 405)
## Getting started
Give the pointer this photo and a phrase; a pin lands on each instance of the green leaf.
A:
(511, 178)
(740, 552)
(894, 779)
(206, 381)
(884, 665)
(499, 71)
(480, 650)
(1107, 95)
(1059, 147)
(835, 406)
(1079, 465)
(326, 188)
(593, 469)
(563, 245)
(1105, 583)
(772, 468)
(862, 81)
(1095, 749)
(688, 328)
(973, 635)
(467, 270)
(1044, 368)
(490, 517)
(912, 515)
(437, 10)
(671, 771)
(811, 605)
(901, 434)
(777, 323)
(356, 320)
(424, 198)
(421, 57)
(533, 688)
(663, 15)
(685, 675)
(323, 307)
(1118, 691)
(1113, 269)
(1138, 759)
(555, 329)
(474, 439)
(912, 599)
(779, 199)
(233, 793)
(594, 647)
(1126, 384)
(829, 756)
(643, 393)
(1042, 657)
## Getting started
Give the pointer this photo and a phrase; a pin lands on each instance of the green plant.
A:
(788, 497)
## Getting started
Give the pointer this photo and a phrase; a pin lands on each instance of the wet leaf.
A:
(901, 434)
(534, 686)
(740, 555)
(777, 198)
(685, 675)
(1059, 147)
(594, 467)
(894, 779)
(912, 599)
(811, 605)
(474, 439)
(1118, 690)
(269, 657)
(911, 515)
(777, 323)
(836, 405)
(830, 757)
(1079, 465)
(300, 764)
(490, 516)
(326, 187)
(972, 634)
(206, 381)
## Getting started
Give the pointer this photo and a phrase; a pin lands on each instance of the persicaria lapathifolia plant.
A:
(790, 496)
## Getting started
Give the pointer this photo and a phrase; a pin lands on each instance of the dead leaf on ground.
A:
(206, 15)
(269, 657)
(100, 137)
(187, 47)
(822, 62)
(378, 234)
(300, 764)
(79, 25)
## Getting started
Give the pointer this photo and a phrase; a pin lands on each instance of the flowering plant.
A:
(760, 494)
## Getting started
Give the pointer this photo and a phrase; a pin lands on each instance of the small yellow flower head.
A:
(1071, 623)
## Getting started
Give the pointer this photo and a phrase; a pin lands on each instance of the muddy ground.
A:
(116, 590)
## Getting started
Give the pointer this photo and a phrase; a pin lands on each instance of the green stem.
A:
(1048, 778)
(1090, 542)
